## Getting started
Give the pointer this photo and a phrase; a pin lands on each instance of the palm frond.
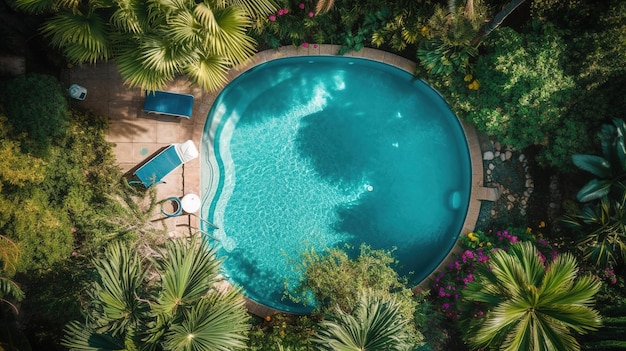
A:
(254, 8)
(217, 322)
(323, 6)
(82, 37)
(121, 276)
(534, 307)
(188, 272)
(9, 288)
(36, 6)
(131, 65)
(231, 39)
(206, 18)
(373, 324)
(9, 255)
(81, 337)
(130, 16)
(209, 73)
(184, 29)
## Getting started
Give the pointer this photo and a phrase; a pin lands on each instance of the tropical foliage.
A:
(610, 168)
(530, 304)
(154, 42)
(167, 303)
(601, 221)
(521, 104)
(448, 44)
(372, 324)
(337, 281)
(334, 279)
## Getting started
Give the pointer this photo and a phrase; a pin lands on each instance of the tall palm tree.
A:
(530, 306)
(154, 41)
(374, 324)
(168, 303)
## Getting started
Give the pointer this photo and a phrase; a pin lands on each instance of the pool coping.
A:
(136, 134)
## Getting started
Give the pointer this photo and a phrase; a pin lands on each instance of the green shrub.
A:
(37, 109)
(291, 333)
(523, 94)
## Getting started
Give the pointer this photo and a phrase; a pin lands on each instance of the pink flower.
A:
(311, 14)
(73, 229)
(301, 5)
(285, 11)
(272, 18)
(281, 12)
(314, 46)
(305, 45)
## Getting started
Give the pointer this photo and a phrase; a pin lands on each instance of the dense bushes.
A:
(56, 176)
(36, 107)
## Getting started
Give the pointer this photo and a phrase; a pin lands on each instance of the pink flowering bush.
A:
(447, 286)
(294, 23)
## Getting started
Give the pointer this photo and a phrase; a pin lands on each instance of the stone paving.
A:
(137, 135)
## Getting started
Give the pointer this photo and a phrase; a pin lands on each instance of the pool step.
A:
(487, 194)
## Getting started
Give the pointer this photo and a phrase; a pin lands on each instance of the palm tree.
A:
(374, 324)
(603, 228)
(170, 304)
(530, 306)
(153, 42)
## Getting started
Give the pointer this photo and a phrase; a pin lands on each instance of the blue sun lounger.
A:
(168, 103)
(166, 161)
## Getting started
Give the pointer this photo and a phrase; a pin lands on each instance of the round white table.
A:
(190, 203)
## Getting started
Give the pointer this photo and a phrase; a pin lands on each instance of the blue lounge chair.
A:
(158, 167)
(168, 103)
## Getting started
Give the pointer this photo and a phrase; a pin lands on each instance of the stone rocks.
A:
(501, 165)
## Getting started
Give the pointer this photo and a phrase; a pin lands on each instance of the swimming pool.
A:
(318, 151)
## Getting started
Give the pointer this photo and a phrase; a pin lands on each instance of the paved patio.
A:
(137, 134)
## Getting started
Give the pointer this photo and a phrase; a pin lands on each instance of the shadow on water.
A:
(352, 151)
(259, 283)
(256, 103)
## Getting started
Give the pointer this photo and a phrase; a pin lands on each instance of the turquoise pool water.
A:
(315, 152)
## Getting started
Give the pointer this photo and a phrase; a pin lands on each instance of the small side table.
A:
(190, 203)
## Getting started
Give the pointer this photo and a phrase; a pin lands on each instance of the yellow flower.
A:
(529, 229)
(474, 85)
(282, 332)
(468, 78)
(489, 243)
(424, 31)
(470, 235)
(542, 224)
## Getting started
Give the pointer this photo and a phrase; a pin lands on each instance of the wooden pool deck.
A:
(137, 134)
